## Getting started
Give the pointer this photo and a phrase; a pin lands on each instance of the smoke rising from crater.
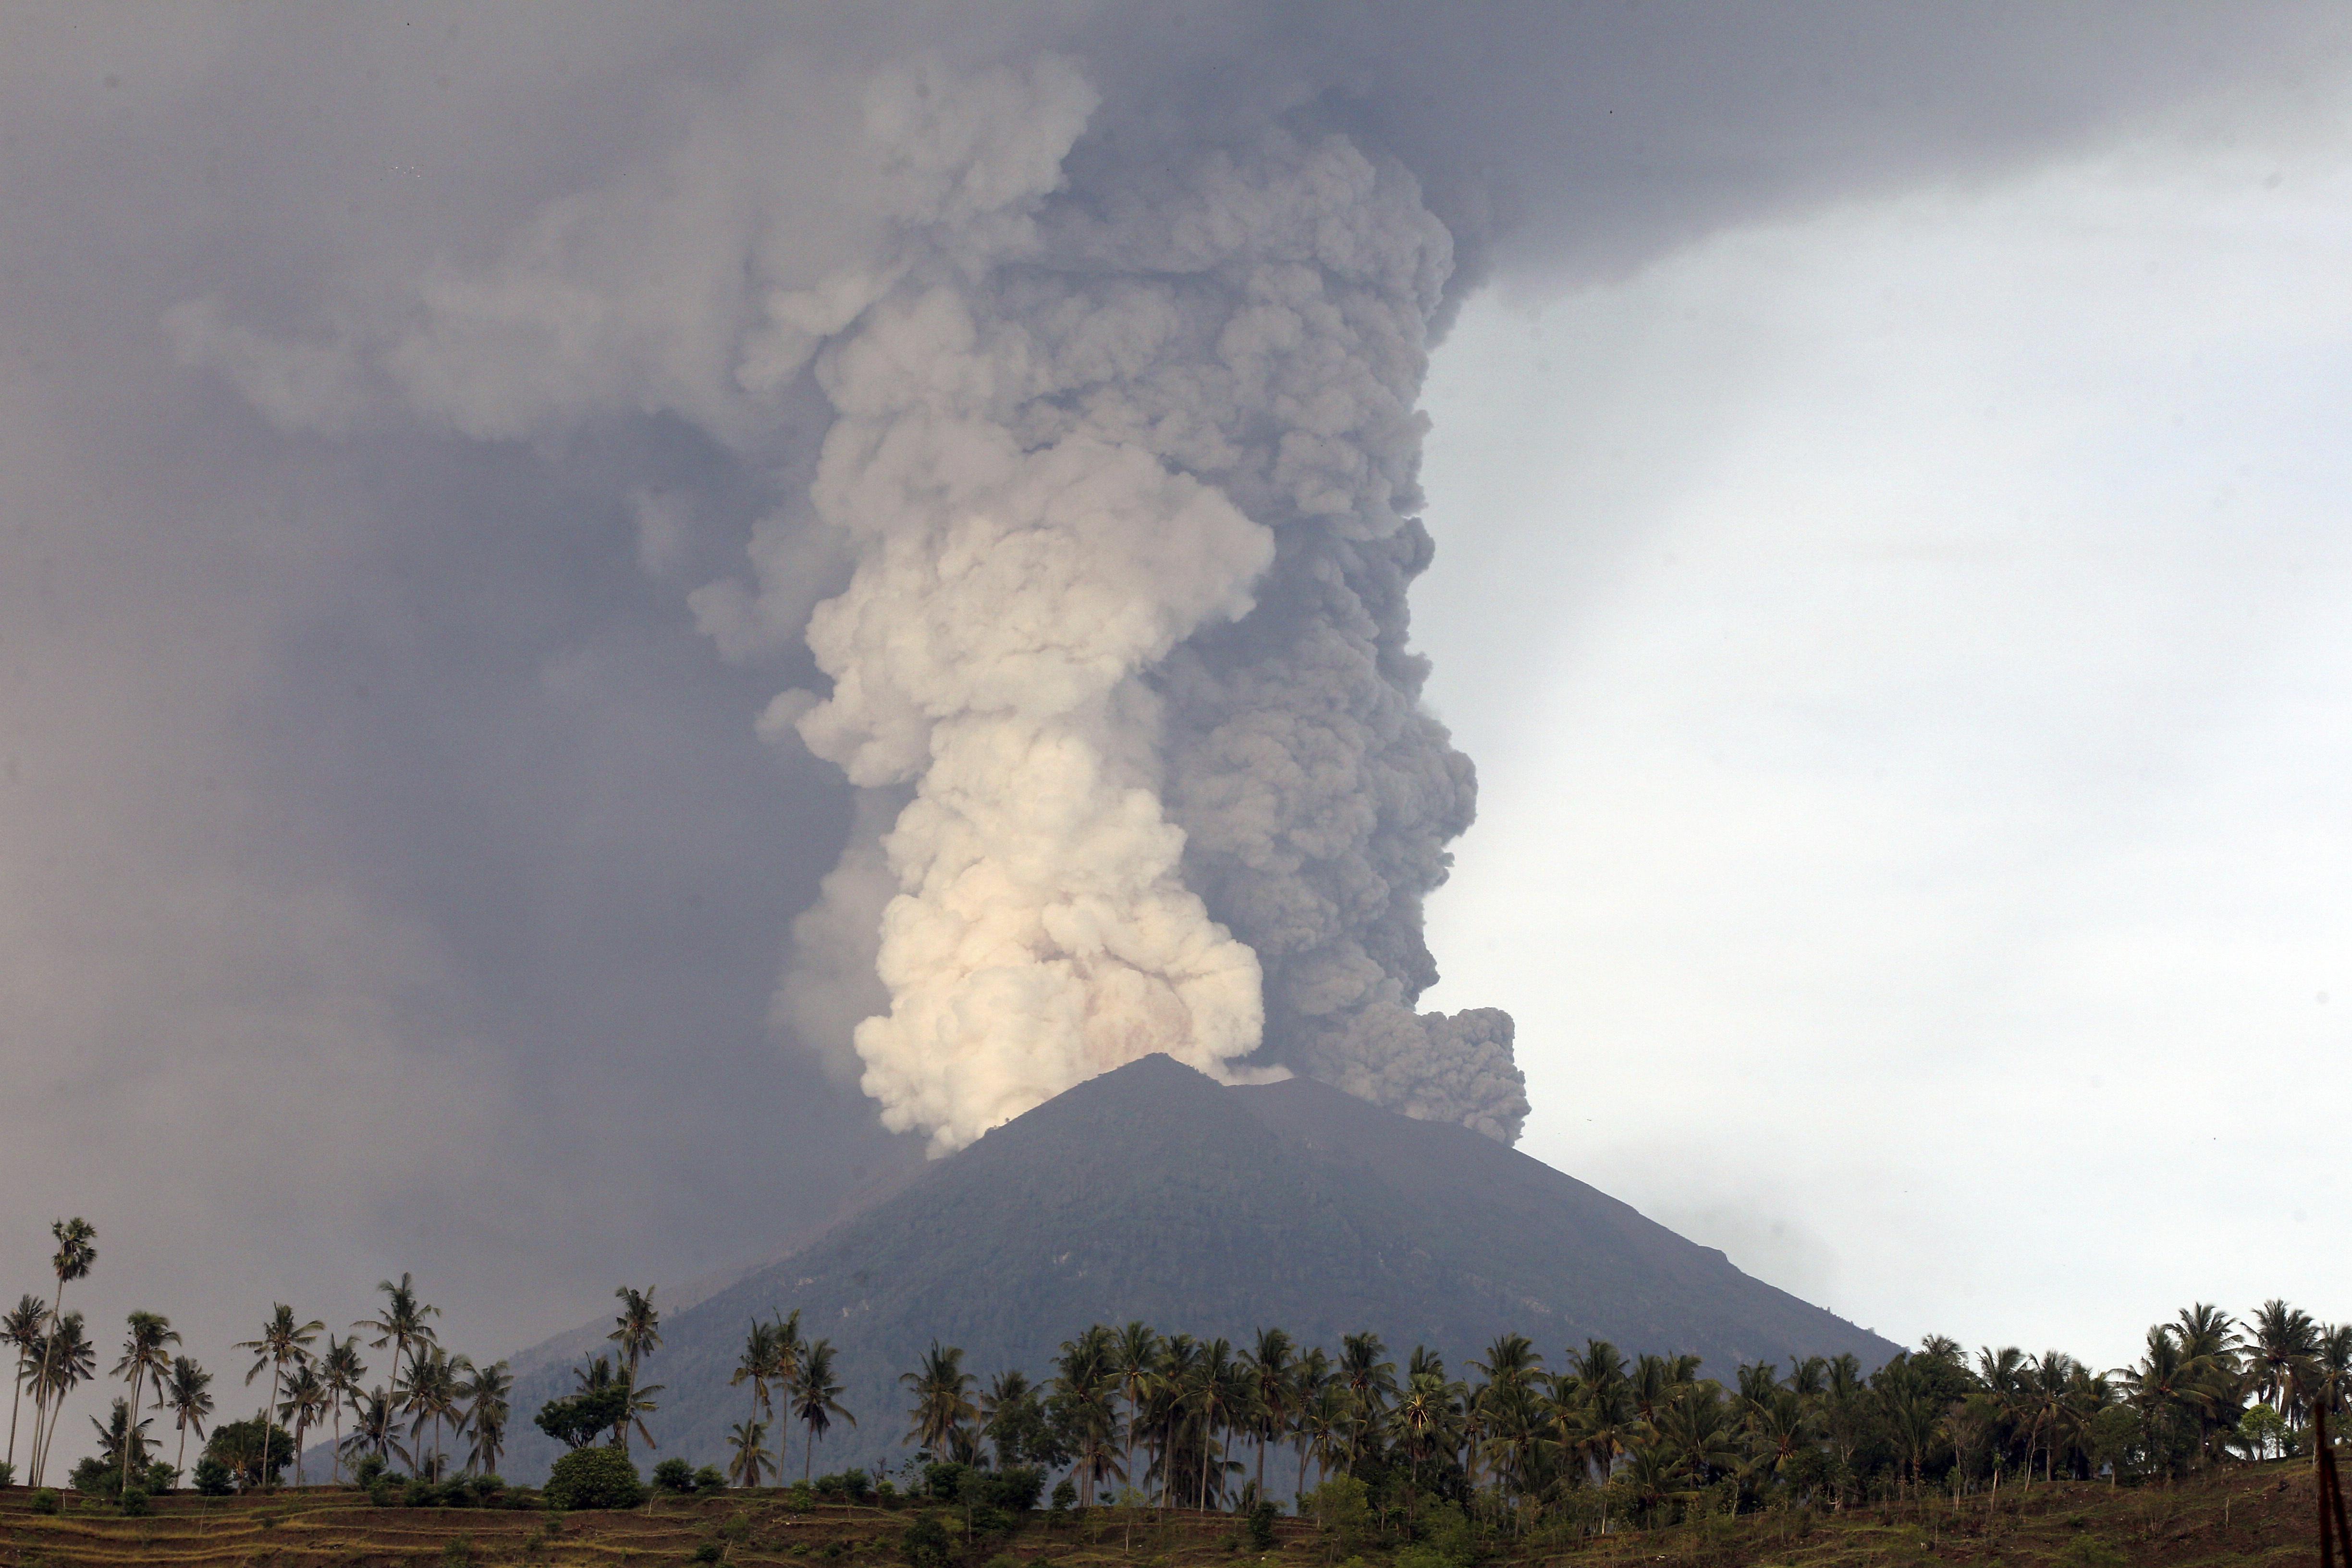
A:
(1127, 471)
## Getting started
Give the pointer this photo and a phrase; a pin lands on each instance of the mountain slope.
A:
(1154, 1192)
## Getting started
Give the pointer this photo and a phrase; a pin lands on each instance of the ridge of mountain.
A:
(1154, 1192)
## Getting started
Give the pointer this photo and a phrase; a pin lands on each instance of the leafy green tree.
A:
(2261, 1429)
(595, 1478)
(253, 1450)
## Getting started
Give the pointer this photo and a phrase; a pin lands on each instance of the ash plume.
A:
(1111, 524)
(1131, 490)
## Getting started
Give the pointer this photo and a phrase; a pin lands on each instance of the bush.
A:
(385, 1491)
(926, 1543)
(487, 1489)
(213, 1478)
(801, 1499)
(134, 1502)
(240, 1445)
(161, 1478)
(370, 1467)
(8, 1474)
(46, 1500)
(709, 1552)
(420, 1493)
(1260, 1526)
(709, 1478)
(1016, 1488)
(674, 1477)
(1066, 1494)
(595, 1478)
(95, 1477)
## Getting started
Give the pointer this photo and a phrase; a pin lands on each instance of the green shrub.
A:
(46, 1500)
(8, 1475)
(926, 1543)
(211, 1477)
(674, 1477)
(160, 1478)
(385, 1491)
(709, 1478)
(240, 1445)
(487, 1489)
(370, 1467)
(134, 1502)
(595, 1478)
(1016, 1488)
(1260, 1526)
(801, 1499)
(95, 1477)
(885, 1494)
(1066, 1494)
(709, 1552)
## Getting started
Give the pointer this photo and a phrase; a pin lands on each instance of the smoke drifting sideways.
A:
(1118, 452)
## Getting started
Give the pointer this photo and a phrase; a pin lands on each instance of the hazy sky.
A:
(1887, 472)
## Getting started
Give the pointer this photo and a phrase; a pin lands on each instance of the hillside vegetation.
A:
(2244, 1513)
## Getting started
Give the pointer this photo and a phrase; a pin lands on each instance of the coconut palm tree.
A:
(2282, 1351)
(432, 1392)
(757, 1365)
(67, 1359)
(341, 1370)
(792, 1354)
(1135, 1355)
(186, 1391)
(142, 1353)
(20, 1331)
(76, 1252)
(486, 1393)
(818, 1399)
(1273, 1365)
(637, 1330)
(282, 1343)
(1086, 1388)
(943, 1405)
(305, 1400)
(1369, 1380)
(376, 1429)
(1219, 1399)
(747, 1441)
(1308, 1383)
(401, 1322)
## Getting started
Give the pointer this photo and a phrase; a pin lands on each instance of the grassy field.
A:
(2248, 1514)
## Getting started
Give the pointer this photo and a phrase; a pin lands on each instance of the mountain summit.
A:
(1155, 1192)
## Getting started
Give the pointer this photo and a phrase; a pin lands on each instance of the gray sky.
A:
(1885, 578)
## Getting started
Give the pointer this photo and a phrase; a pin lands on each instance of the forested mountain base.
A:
(2244, 1513)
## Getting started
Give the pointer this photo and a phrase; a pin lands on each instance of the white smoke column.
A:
(1049, 464)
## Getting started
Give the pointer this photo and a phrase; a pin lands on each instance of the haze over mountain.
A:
(1154, 1192)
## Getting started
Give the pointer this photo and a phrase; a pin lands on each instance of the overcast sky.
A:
(1887, 474)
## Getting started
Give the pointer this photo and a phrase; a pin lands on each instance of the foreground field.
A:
(2248, 1514)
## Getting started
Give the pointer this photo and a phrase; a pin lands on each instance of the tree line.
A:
(1132, 1415)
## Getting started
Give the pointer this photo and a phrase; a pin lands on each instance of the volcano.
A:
(1154, 1192)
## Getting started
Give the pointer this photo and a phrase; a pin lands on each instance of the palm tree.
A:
(487, 1411)
(1220, 1401)
(142, 1353)
(76, 1252)
(400, 1324)
(791, 1354)
(120, 1437)
(818, 1399)
(283, 1342)
(67, 1358)
(341, 1370)
(1306, 1386)
(637, 1330)
(1369, 1380)
(2283, 1349)
(375, 1428)
(306, 1399)
(1085, 1384)
(20, 1331)
(432, 1391)
(1135, 1353)
(186, 1393)
(943, 1405)
(748, 1442)
(1273, 1363)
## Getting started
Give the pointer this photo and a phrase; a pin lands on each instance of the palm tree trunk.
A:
(269, 1414)
(182, 1463)
(130, 1423)
(15, 1399)
(335, 1470)
(808, 1453)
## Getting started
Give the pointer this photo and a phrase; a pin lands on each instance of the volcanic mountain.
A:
(1155, 1192)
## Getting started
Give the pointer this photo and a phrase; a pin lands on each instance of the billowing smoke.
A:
(1115, 512)
(1131, 489)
